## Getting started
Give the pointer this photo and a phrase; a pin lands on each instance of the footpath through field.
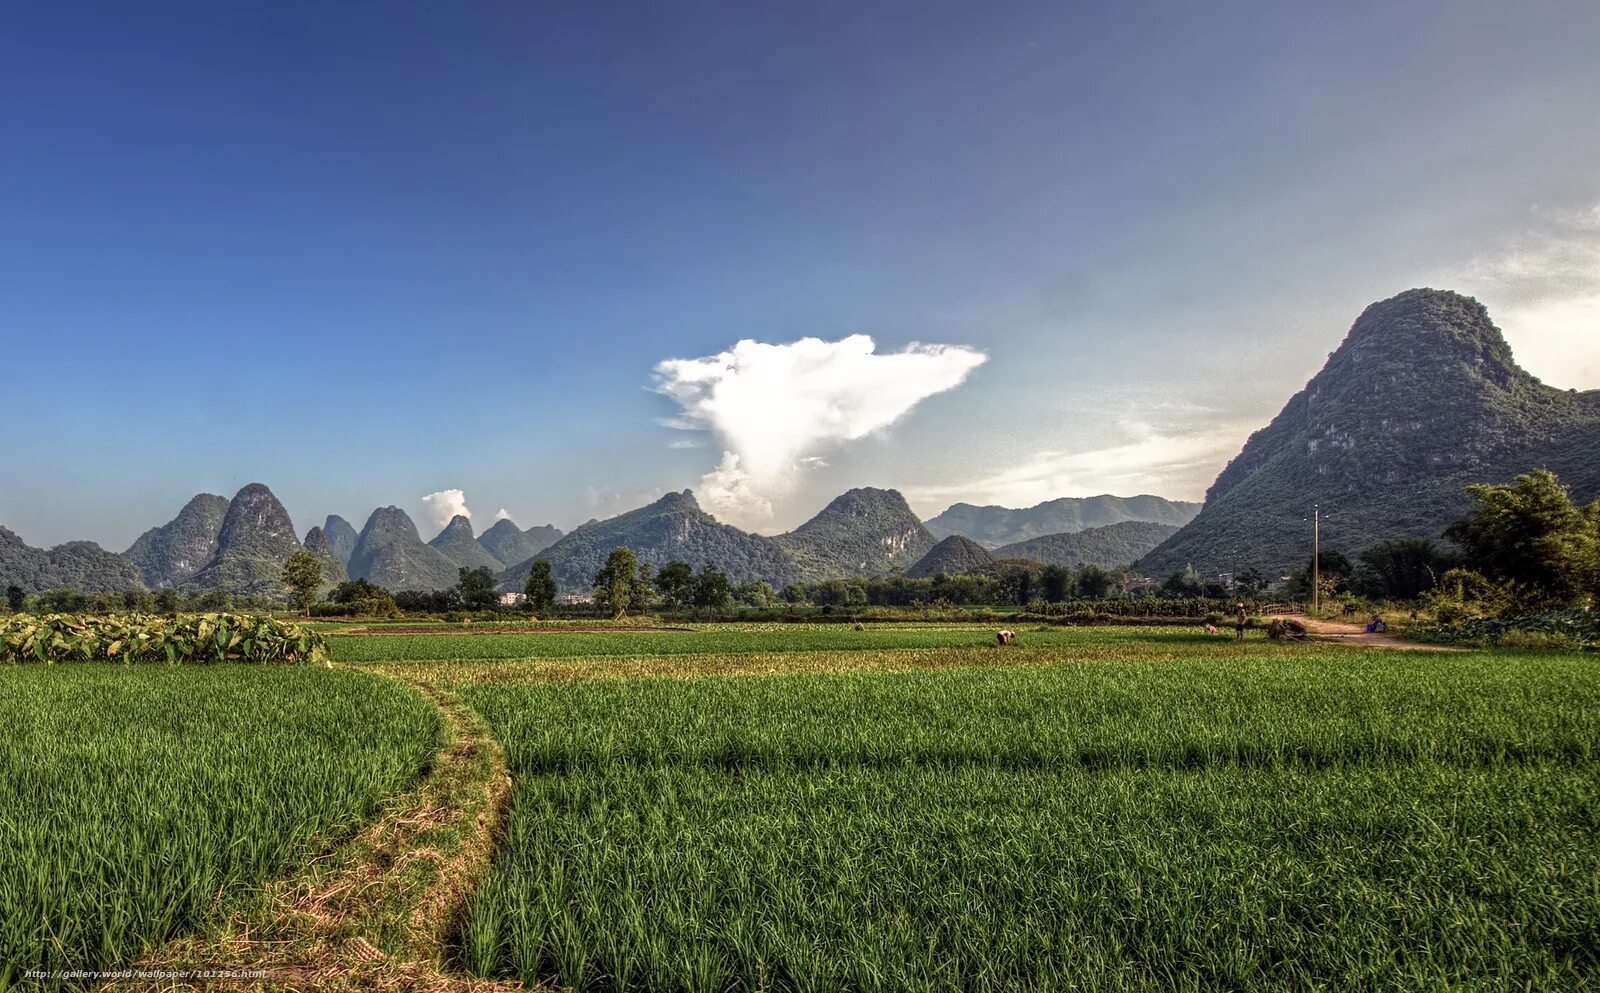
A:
(1357, 634)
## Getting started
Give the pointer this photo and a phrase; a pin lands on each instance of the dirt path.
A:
(1357, 634)
(379, 911)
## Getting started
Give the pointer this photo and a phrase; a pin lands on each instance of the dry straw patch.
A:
(380, 911)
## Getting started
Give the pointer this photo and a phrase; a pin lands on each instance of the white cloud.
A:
(438, 508)
(1543, 289)
(1173, 462)
(502, 514)
(686, 443)
(772, 406)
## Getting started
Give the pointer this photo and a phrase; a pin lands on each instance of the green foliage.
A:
(1342, 815)
(540, 587)
(357, 598)
(1333, 570)
(476, 588)
(135, 638)
(134, 798)
(1562, 629)
(16, 598)
(1401, 570)
(1530, 535)
(675, 582)
(712, 591)
(621, 583)
(302, 574)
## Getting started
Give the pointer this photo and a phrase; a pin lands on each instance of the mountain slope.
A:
(1422, 398)
(863, 532)
(341, 537)
(460, 545)
(992, 526)
(168, 555)
(76, 565)
(672, 528)
(953, 556)
(390, 553)
(510, 545)
(1107, 547)
(333, 568)
(255, 540)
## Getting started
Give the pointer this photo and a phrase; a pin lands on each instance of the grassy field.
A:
(718, 639)
(1320, 817)
(135, 796)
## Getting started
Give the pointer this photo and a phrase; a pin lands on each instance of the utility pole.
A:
(1316, 557)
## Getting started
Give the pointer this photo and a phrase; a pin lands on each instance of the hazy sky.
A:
(565, 259)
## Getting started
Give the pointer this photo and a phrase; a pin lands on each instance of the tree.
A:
(1057, 583)
(540, 587)
(1333, 569)
(16, 599)
(477, 588)
(1400, 570)
(166, 601)
(712, 589)
(1249, 582)
(620, 583)
(1530, 535)
(755, 593)
(676, 584)
(1184, 583)
(1094, 583)
(302, 574)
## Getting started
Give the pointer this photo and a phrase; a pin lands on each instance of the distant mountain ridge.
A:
(1421, 399)
(863, 532)
(460, 546)
(992, 526)
(256, 539)
(510, 545)
(80, 565)
(1105, 547)
(168, 555)
(390, 553)
(672, 528)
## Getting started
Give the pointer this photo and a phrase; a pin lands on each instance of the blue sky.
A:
(366, 252)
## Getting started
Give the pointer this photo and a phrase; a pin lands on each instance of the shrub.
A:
(131, 638)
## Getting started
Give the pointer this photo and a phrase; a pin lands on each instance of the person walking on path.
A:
(1240, 620)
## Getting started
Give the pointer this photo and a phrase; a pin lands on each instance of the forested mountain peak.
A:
(168, 555)
(1421, 398)
(390, 553)
(458, 544)
(256, 539)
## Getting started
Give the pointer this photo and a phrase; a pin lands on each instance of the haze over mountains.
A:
(1421, 399)
(993, 527)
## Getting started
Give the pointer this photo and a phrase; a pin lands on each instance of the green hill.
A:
(333, 567)
(170, 554)
(255, 540)
(954, 556)
(1422, 398)
(510, 545)
(672, 528)
(460, 546)
(341, 537)
(77, 565)
(1107, 547)
(390, 553)
(863, 532)
(993, 527)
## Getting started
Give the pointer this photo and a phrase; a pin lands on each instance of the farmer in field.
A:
(1241, 618)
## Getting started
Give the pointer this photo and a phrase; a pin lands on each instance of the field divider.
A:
(379, 911)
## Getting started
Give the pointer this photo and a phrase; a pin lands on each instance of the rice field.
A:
(1339, 819)
(723, 639)
(136, 802)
